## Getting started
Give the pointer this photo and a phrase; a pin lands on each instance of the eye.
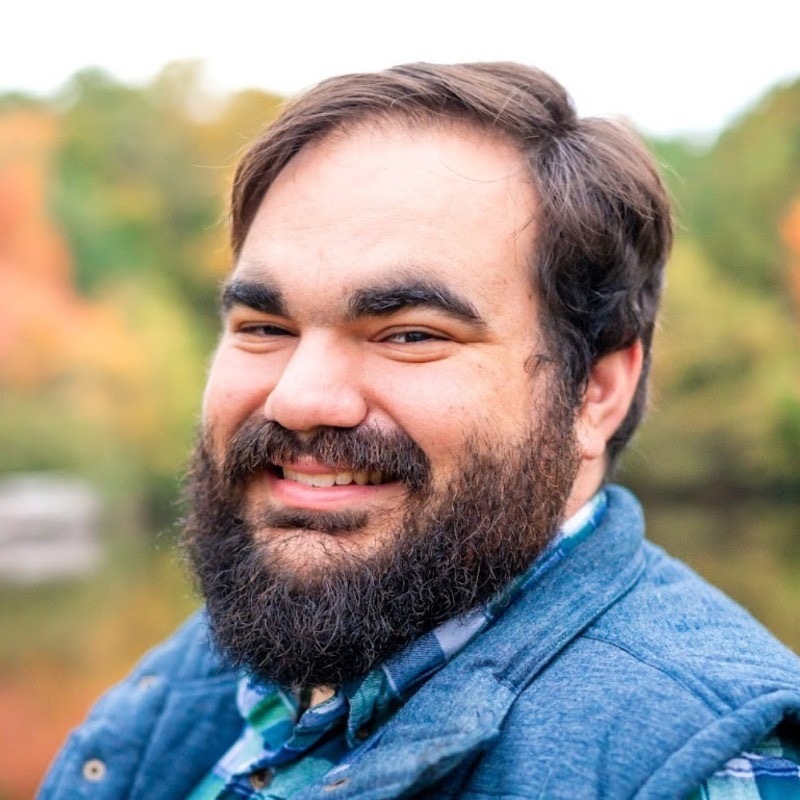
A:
(258, 335)
(414, 337)
(262, 330)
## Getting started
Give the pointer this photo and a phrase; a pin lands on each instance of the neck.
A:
(311, 696)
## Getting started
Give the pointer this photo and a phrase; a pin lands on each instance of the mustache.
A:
(261, 444)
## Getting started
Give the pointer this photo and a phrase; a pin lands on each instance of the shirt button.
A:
(94, 770)
(363, 733)
(260, 778)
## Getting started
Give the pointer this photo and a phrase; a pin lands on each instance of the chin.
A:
(310, 550)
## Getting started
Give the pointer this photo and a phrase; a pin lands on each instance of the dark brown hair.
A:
(602, 222)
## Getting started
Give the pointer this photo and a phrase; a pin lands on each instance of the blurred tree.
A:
(735, 197)
(726, 389)
(790, 232)
(142, 180)
(111, 249)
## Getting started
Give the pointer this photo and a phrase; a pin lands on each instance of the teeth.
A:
(318, 480)
(361, 478)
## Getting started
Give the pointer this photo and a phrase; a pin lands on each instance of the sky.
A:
(687, 67)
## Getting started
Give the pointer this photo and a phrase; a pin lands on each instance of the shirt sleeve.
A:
(770, 771)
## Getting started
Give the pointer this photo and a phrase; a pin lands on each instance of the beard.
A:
(339, 615)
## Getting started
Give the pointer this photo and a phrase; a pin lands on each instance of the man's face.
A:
(384, 283)
(374, 384)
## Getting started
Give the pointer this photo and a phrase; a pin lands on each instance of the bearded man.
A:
(418, 580)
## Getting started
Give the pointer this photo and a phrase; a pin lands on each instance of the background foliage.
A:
(112, 244)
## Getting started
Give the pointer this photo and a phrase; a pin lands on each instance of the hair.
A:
(603, 228)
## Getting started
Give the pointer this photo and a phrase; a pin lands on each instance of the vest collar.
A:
(460, 710)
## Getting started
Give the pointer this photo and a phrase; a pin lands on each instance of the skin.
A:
(376, 217)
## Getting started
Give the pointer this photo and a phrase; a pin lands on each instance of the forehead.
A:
(375, 202)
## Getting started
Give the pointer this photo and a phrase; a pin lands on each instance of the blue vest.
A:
(621, 674)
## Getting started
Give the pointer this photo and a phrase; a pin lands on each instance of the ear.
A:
(608, 397)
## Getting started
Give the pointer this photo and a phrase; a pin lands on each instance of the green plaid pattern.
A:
(770, 771)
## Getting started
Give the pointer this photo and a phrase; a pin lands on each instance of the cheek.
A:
(443, 412)
(234, 391)
(484, 404)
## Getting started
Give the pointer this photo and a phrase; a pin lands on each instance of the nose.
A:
(320, 386)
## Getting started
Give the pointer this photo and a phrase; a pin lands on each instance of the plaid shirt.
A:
(283, 749)
(770, 771)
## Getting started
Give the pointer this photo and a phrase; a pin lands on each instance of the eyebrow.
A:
(390, 298)
(259, 296)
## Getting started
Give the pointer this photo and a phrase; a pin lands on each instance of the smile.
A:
(327, 479)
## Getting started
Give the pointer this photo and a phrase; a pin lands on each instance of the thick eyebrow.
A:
(390, 298)
(259, 296)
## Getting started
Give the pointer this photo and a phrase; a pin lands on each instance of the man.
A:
(436, 343)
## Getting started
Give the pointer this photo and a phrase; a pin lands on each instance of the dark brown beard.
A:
(456, 547)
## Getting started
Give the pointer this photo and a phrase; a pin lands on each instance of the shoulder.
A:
(677, 625)
(174, 698)
(184, 659)
(653, 695)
